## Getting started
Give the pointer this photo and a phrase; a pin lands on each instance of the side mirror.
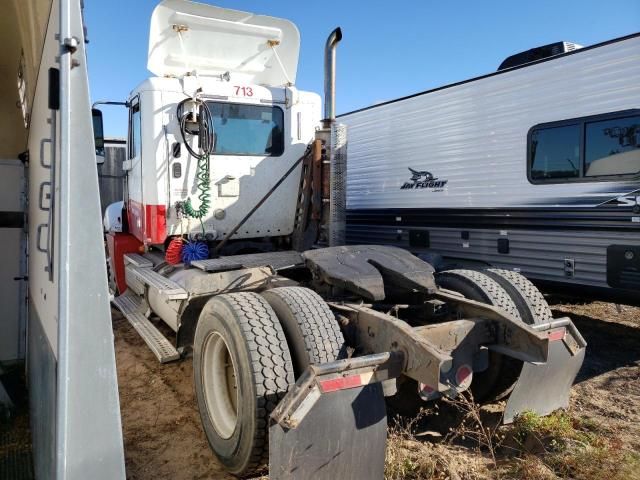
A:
(98, 135)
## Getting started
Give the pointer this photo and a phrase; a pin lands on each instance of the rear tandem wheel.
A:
(242, 369)
(489, 384)
(529, 300)
(312, 332)
(474, 286)
(533, 309)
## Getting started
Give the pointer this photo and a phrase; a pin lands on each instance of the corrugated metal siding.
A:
(474, 135)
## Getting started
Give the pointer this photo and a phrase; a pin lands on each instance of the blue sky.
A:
(389, 49)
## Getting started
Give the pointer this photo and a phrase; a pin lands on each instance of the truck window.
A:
(555, 153)
(612, 147)
(585, 149)
(242, 129)
(134, 131)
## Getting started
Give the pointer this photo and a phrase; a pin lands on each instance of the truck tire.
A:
(312, 332)
(487, 385)
(242, 368)
(533, 309)
(529, 300)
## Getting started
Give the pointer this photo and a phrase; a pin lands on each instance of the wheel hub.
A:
(220, 385)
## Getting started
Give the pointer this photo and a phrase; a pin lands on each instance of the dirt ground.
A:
(163, 438)
(160, 421)
(607, 388)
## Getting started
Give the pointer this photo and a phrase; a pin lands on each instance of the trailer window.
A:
(242, 129)
(595, 148)
(555, 153)
(612, 147)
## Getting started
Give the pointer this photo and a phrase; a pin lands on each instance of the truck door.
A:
(134, 176)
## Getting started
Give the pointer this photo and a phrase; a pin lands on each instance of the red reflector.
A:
(462, 375)
(341, 383)
(423, 387)
(557, 335)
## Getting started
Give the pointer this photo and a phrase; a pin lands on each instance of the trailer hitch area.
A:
(443, 357)
(376, 332)
(504, 333)
(333, 423)
(552, 353)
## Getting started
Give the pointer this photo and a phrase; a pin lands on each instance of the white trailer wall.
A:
(46, 113)
(22, 27)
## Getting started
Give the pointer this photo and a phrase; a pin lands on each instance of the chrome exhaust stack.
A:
(330, 76)
(334, 138)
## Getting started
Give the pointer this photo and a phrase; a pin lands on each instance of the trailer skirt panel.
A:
(577, 256)
(42, 377)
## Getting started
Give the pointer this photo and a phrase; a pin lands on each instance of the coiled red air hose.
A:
(173, 254)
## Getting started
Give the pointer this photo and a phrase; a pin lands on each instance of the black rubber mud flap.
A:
(543, 388)
(342, 437)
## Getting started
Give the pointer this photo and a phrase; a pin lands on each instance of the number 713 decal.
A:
(243, 91)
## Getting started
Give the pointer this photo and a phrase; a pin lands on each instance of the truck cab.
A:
(242, 69)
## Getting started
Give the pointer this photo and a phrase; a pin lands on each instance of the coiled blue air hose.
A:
(193, 251)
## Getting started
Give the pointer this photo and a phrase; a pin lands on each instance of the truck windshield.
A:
(242, 129)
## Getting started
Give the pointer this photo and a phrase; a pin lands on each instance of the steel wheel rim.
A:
(220, 385)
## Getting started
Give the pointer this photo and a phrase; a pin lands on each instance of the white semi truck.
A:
(233, 227)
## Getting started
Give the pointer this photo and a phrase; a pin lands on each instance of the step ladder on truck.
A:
(233, 235)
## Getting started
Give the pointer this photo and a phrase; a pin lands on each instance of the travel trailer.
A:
(534, 168)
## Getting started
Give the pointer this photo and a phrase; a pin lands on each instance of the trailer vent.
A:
(503, 245)
(538, 53)
(623, 266)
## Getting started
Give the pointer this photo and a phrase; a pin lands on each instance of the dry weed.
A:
(569, 447)
(558, 446)
(485, 436)
(411, 459)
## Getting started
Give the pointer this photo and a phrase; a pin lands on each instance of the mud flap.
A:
(333, 422)
(342, 437)
(545, 387)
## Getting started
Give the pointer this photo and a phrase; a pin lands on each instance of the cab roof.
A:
(187, 37)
